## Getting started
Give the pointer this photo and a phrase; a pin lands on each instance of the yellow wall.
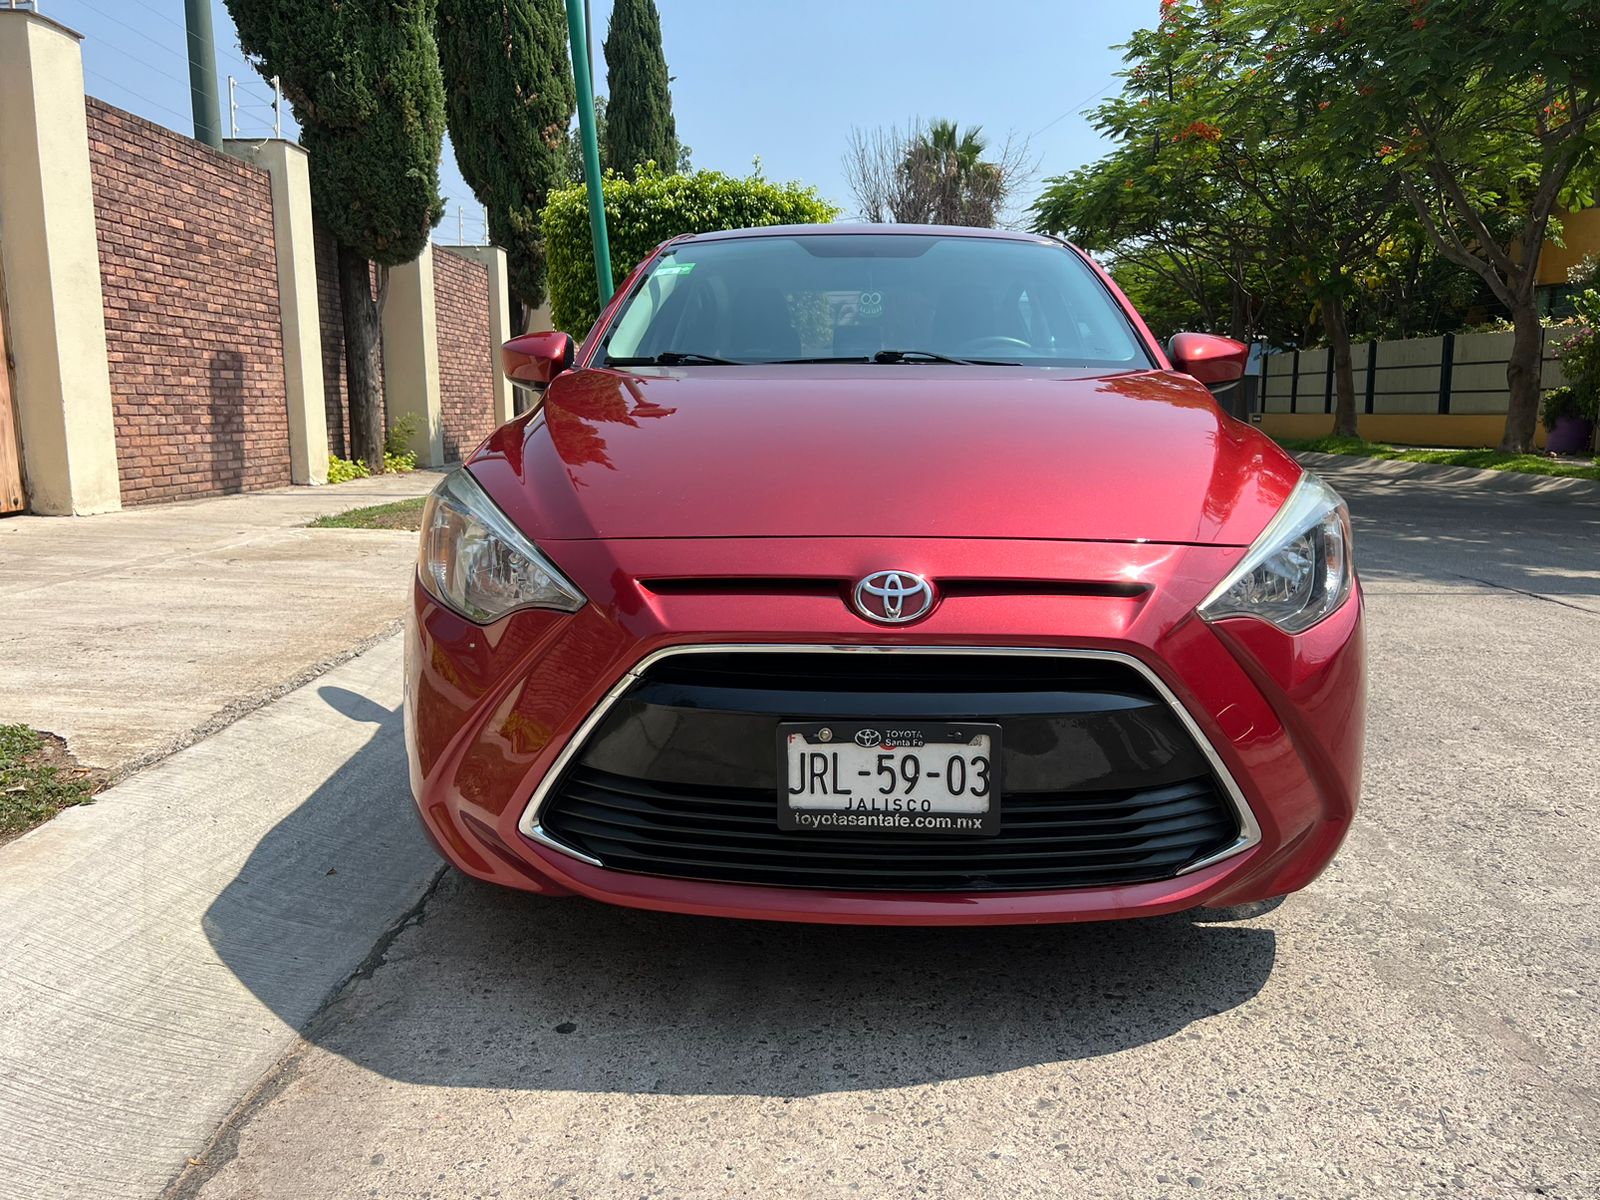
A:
(51, 266)
(1581, 232)
(1404, 429)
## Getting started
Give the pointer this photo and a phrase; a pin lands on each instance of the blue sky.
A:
(751, 77)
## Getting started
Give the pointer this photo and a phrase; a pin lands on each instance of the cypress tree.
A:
(363, 79)
(639, 124)
(509, 98)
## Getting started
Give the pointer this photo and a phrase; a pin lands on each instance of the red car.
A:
(886, 575)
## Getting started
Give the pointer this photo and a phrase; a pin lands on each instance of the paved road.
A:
(1423, 1021)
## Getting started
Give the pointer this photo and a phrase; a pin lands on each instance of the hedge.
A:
(642, 213)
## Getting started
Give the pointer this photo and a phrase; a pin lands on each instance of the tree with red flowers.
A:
(1485, 113)
(1220, 168)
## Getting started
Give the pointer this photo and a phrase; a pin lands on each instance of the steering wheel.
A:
(997, 341)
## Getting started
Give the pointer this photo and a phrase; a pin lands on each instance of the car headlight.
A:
(1299, 570)
(475, 561)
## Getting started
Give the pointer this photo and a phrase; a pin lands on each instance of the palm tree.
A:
(932, 173)
(945, 165)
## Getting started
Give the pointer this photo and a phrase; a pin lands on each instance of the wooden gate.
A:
(12, 499)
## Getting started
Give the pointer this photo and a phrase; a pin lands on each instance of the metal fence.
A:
(1456, 374)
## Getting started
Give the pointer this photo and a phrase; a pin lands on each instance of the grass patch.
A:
(38, 778)
(1489, 460)
(398, 514)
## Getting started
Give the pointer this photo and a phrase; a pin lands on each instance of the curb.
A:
(1503, 482)
(243, 706)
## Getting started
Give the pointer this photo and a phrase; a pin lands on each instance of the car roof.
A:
(861, 227)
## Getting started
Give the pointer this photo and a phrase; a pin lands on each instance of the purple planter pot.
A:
(1570, 435)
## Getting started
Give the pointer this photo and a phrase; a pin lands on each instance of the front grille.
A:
(1101, 783)
(1045, 841)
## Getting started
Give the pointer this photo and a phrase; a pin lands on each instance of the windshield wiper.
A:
(673, 358)
(897, 356)
(900, 356)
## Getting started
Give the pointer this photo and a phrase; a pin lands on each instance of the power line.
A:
(136, 31)
(143, 62)
(168, 17)
(184, 117)
(179, 54)
(1076, 108)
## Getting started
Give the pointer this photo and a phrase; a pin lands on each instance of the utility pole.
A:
(203, 73)
(591, 149)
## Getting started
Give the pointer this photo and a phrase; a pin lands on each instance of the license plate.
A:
(902, 777)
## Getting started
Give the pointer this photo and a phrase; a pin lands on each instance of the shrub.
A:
(642, 213)
(397, 458)
(1580, 360)
(343, 470)
(1557, 403)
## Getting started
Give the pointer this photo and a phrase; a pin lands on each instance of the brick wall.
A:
(190, 281)
(330, 311)
(466, 364)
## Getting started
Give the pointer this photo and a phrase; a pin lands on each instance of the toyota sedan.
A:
(886, 575)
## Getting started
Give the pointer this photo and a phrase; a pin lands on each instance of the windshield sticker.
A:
(871, 304)
(674, 269)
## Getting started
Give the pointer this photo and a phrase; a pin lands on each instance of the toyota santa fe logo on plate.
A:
(664, 649)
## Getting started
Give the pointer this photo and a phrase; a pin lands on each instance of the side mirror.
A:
(536, 358)
(1210, 359)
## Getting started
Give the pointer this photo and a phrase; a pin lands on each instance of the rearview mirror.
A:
(1211, 359)
(536, 358)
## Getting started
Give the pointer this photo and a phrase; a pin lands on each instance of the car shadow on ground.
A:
(484, 987)
(507, 991)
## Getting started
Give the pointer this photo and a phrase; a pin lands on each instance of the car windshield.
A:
(915, 298)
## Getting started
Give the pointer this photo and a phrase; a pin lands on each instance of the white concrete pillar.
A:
(411, 357)
(51, 269)
(287, 166)
(494, 259)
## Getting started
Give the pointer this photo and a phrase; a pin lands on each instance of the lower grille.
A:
(1046, 840)
(1100, 781)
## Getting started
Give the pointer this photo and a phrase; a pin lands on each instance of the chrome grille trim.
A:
(1249, 828)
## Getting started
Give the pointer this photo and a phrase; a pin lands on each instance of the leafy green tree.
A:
(1408, 289)
(572, 147)
(639, 123)
(645, 211)
(1169, 232)
(1484, 112)
(1222, 172)
(509, 98)
(363, 79)
(1174, 293)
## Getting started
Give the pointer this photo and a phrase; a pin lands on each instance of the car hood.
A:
(884, 451)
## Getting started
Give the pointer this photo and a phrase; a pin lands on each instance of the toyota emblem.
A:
(893, 597)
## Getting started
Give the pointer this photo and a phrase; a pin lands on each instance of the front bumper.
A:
(495, 715)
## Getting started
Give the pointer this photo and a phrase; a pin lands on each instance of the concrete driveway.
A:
(1423, 1021)
(133, 633)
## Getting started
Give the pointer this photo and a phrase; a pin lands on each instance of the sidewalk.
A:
(165, 944)
(133, 633)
